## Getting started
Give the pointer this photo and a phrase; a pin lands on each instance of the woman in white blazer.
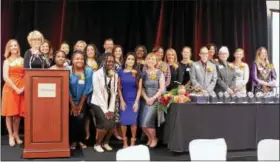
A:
(103, 102)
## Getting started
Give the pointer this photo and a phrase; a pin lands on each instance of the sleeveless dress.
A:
(12, 103)
(129, 92)
(149, 112)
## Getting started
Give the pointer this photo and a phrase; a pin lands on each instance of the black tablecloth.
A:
(242, 125)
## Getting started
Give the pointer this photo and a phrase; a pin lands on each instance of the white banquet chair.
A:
(268, 149)
(208, 149)
(139, 152)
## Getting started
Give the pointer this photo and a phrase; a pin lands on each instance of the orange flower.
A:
(241, 67)
(190, 62)
(230, 66)
(134, 72)
(209, 69)
(176, 99)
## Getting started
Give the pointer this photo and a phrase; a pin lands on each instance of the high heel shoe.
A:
(12, 141)
(18, 141)
(132, 141)
(125, 145)
(154, 143)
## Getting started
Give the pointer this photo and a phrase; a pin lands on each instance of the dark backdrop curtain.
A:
(129, 23)
(233, 23)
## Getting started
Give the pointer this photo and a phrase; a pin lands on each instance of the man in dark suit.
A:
(108, 46)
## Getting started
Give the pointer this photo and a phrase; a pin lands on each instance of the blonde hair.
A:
(35, 34)
(82, 42)
(258, 52)
(239, 50)
(171, 50)
(7, 53)
(149, 56)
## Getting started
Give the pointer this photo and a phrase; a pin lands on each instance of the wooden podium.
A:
(46, 122)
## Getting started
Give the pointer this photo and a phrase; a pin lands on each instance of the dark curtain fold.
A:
(177, 26)
(233, 23)
(128, 23)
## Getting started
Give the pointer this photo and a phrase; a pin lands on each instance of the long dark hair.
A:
(134, 67)
(114, 50)
(209, 45)
(106, 72)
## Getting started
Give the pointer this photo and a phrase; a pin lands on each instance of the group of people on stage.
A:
(114, 87)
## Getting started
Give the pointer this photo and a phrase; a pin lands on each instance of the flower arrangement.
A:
(176, 95)
(209, 69)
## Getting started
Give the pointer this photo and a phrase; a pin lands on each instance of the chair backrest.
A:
(208, 149)
(268, 149)
(139, 152)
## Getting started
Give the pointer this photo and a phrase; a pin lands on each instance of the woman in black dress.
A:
(184, 66)
(33, 58)
(141, 53)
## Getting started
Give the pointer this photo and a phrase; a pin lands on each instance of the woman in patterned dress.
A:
(263, 73)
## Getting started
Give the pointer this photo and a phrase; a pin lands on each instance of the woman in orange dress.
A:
(13, 99)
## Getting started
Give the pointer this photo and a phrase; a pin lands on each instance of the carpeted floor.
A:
(161, 153)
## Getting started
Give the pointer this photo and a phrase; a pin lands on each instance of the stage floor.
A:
(161, 153)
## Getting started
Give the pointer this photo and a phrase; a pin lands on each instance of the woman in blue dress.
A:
(80, 87)
(130, 87)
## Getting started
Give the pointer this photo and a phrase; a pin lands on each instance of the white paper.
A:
(46, 90)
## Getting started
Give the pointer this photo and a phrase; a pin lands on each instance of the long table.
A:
(242, 125)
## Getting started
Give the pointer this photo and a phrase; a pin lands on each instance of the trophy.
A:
(276, 98)
(245, 98)
(251, 98)
(259, 96)
(268, 97)
(213, 97)
(227, 97)
(234, 97)
(239, 97)
(220, 97)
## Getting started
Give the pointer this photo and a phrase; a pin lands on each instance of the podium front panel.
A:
(46, 113)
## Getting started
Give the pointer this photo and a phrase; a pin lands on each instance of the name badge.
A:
(81, 82)
(187, 69)
(196, 66)
(221, 66)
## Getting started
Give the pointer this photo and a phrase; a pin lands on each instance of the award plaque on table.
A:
(46, 133)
